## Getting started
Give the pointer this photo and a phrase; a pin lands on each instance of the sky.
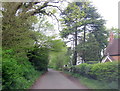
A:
(109, 10)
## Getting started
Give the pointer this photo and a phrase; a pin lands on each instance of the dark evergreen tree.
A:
(80, 20)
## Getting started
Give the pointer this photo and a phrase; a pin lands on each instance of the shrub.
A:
(17, 74)
(102, 71)
(82, 68)
(88, 71)
(105, 71)
(92, 62)
(39, 58)
(66, 69)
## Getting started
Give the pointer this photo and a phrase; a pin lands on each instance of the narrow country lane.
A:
(56, 80)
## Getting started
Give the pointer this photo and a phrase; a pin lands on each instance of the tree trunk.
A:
(84, 43)
(75, 52)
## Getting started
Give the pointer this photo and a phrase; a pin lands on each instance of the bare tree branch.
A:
(55, 7)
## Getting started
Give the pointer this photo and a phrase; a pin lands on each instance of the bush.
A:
(92, 62)
(105, 71)
(81, 68)
(102, 71)
(17, 74)
(39, 58)
(66, 69)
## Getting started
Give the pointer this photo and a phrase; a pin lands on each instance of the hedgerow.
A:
(102, 71)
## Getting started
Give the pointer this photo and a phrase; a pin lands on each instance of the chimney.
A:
(111, 37)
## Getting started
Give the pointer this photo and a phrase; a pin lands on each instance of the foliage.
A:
(81, 20)
(72, 17)
(39, 58)
(43, 25)
(26, 9)
(115, 31)
(58, 60)
(90, 48)
(17, 74)
(58, 54)
(95, 85)
(96, 76)
(107, 72)
(57, 45)
(92, 62)
(18, 32)
(19, 22)
(0, 68)
(26, 50)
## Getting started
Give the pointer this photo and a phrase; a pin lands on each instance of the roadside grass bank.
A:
(96, 76)
(93, 84)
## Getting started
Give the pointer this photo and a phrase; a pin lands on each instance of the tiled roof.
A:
(113, 48)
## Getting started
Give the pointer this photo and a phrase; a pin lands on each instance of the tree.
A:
(19, 19)
(18, 23)
(25, 50)
(72, 16)
(16, 19)
(39, 58)
(58, 54)
(93, 23)
(91, 49)
(90, 23)
(115, 31)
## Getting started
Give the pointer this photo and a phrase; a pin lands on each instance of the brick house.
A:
(112, 52)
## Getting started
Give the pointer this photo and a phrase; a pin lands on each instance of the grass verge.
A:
(94, 84)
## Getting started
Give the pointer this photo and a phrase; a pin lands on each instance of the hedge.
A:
(102, 71)
(17, 74)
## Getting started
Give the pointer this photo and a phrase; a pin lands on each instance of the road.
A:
(57, 80)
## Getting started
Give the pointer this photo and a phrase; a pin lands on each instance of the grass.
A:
(94, 84)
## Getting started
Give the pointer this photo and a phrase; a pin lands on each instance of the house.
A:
(112, 52)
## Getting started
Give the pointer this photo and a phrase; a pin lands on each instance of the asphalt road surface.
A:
(57, 80)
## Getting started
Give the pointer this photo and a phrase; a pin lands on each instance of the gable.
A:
(107, 59)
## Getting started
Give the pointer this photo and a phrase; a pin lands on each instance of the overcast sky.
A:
(109, 10)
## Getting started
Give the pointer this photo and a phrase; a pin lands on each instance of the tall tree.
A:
(90, 22)
(93, 23)
(72, 16)
(17, 16)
